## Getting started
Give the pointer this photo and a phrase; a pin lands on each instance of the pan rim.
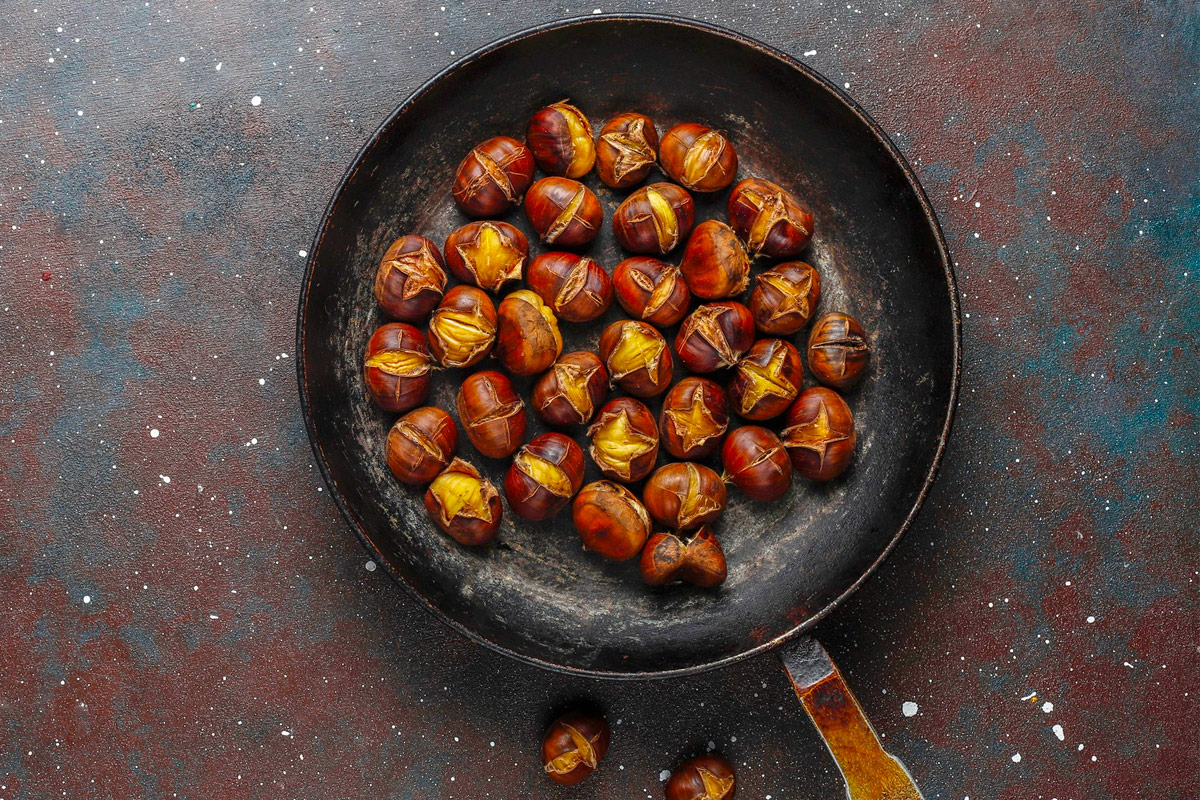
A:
(706, 27)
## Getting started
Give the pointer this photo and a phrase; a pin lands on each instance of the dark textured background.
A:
(185, 613)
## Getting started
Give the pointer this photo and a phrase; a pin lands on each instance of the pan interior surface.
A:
(536, 594)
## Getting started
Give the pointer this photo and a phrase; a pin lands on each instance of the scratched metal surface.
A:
(220, 634)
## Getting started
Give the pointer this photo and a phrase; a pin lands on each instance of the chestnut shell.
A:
(785, 297)
(769, 219)
(564, 212)
(695, 415)
(654, 219)
(715, 336)
(492, 413)
(491, 179)
(576, 287)
(756, 462)
(421, 444)
(651, 290)
(571, 391)
(626, 150)
(698, 157)
(544, 476)
(397, 367)
(611, 520)
(820, 434)
(838, 350)
(684, 495)
(714, 264)
(697, 559)
(410, 279)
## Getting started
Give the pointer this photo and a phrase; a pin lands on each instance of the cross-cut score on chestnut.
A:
(838, 350)
(769, 219)
(624, 440)
(576, 287)
(492, 178)
(410, 279)
(573, 746)
(464, 504)
(489, 254)
(570, 392)
(785, 297)
(698, 157)
(626, 150)
(756, 462)
(397, 366)
(766, 380)
(715, 336)
(564, 212)
(491, 413)
(684, 495)
(421, 444)
(820, 435)
(695, 415)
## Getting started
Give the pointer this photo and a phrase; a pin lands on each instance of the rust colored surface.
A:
(186, 614)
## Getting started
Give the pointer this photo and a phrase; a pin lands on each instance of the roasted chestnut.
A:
(698, 157)
(421, 444)
(769, 219)
(624, 440)
(651, 290)
(492, 413)
(756, 463)
(397, 366)
(784, 298)
(410, 279)
(766, 380)
(462, 329)
(571, 391)
(707, 777)
(694, 417)
(683, 495)
(563, 212)
(820, 434)
(464, 504)
(528, 339)
(626, 150)
(488, 254)
(715, 264)
(637, 357)
(654, 219)
(492, 177)
(573, 746)
(544, 476)
(697, 559)
(560, 138)
(837, 350)
(714, 336)
(576, 287)
(610, 520)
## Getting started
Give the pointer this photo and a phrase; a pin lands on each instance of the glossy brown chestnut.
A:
(651, 290)
(715, 264)
(464, 504)
(715, 336)
(397, 367)
(766, 380)
(421, 444)
(637, 358)
(563, 212)
(697, 559)
(492, 177)
(654, 219)
(838, 350)
(626, 150)
(756, 463)
(492, 413)
(610, 520)
(528, 341)
(694, 417)
(697, 157)
(573, 746)
(487, 254)
(560, 138)
(820, 435)
(410, 279)
(576, 287)
(544, 476)
(707, 777)
(570, 392)
(784, 298)
(624, 440)
(769, 219)
(683, 495)
(462, 329)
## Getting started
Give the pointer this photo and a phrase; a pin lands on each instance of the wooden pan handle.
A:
(870, 772)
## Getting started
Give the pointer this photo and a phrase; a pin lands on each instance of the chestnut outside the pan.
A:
(536, 594)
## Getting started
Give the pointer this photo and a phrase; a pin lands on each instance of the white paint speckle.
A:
(370, 566)
(1047, 706)
(256, 101)
(304, 254)
(810, 52)
(1058, 732)
(662, 776)
(262, 381)
(87, 598)
(165, 478)
(1090, 620)
(1016, 758)
(219, 65)
(154, 433)
(909, 709)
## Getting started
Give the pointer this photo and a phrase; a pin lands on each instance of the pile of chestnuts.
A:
(707, 340)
